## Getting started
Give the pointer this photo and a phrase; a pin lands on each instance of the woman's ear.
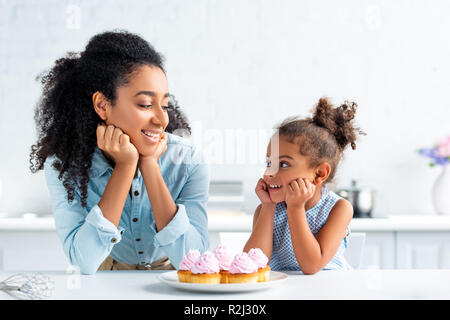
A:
(100, 103)
(322, 172)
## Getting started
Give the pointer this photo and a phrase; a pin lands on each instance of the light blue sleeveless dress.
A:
(283, 257)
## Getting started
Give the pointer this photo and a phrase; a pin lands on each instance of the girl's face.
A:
(283, 165)
(141, 106)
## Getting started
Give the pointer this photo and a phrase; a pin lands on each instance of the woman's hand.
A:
(299, 191)
(262, 191)
(116, 144)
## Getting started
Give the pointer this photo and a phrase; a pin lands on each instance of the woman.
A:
(127, 193)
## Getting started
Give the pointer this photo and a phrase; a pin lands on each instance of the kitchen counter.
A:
(243, 223)
(353, 284)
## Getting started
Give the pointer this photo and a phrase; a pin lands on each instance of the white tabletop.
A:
(355, 284)
(243, 223)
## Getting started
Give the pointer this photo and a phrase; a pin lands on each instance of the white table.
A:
(355, 284)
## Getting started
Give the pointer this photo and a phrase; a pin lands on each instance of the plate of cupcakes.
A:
(222, 271)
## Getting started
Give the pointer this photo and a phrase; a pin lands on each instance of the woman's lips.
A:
(151, 139)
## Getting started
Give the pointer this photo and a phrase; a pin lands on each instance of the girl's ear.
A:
(322, 172)
(100, 103)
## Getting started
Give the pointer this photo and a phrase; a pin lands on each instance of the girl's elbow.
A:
(310, 270)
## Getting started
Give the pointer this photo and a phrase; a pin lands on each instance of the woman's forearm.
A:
(163, 205)
(306, 248)
(262, 233)
(116, 192)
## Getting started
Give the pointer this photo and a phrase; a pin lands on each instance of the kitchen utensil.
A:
(361, 198)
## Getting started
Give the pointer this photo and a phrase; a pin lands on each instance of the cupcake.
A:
(206, 269)
(225, 258)
(184, 269)
(260, 259)
(243, 269)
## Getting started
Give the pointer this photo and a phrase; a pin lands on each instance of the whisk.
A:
(28, 286)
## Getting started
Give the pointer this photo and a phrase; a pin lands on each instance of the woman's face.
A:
(141, 106)
(284, 164)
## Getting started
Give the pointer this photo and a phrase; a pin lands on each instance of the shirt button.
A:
(141, 252)
(138, 239)
(135, 219)
(136, 193)
(113, 240)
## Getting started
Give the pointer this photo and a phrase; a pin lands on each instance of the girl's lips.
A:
(274, 190)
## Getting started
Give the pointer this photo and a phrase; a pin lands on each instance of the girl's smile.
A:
(282, 170)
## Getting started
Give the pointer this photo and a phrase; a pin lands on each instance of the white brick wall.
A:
(247, 65)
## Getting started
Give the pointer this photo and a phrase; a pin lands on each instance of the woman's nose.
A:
(158, 116)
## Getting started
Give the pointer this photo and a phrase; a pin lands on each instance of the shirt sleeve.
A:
(188, 229)
(87, 236)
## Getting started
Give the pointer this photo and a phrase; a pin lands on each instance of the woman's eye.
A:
(166, 107)
(268, 163)
(145, 106)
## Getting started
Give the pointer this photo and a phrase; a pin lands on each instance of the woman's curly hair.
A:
(324, 136)
(65, 117)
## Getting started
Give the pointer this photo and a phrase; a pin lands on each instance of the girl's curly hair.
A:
(324, 136)
(65, 118)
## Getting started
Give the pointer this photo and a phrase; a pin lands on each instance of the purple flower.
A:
(438, 154)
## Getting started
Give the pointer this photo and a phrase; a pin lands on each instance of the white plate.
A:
(171, 278)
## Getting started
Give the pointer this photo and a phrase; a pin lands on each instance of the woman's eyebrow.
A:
(150, 93)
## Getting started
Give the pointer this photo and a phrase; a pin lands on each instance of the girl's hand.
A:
(298, 192)
(116, 144)
(159, 150)
(262, 191)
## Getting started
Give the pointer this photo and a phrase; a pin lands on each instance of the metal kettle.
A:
(362, 199)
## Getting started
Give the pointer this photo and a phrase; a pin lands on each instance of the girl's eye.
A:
(268, 163)
(166, 107)
(282, 163)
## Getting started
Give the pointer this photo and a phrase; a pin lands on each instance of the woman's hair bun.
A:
(338, 121)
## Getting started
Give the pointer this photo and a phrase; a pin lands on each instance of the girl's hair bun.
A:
(338, 121)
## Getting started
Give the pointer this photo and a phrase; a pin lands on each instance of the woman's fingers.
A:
(100, 136)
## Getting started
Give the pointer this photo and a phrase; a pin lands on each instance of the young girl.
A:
(300, 224)
(126, 193)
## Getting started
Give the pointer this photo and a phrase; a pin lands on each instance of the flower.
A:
(440, 153)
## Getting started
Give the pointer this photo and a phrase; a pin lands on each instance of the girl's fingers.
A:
(301, 184)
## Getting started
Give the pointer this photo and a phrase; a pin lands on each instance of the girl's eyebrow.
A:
(150, 93)
(283, 156)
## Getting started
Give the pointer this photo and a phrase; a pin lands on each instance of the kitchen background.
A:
(238, 68)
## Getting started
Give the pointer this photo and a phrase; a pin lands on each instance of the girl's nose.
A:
(271, 171)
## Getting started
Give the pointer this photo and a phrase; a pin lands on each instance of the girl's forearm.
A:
(262, 233)
(163, 205)
(116, 192)
(306, 248)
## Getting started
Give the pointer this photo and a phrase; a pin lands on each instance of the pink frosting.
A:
(207, 263)
(189, 259)
(243, 264)
(258, 257)
(224, 256)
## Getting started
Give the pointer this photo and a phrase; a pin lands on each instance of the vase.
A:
(441, 192)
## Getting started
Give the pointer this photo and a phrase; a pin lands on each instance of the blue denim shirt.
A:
(88, 237)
